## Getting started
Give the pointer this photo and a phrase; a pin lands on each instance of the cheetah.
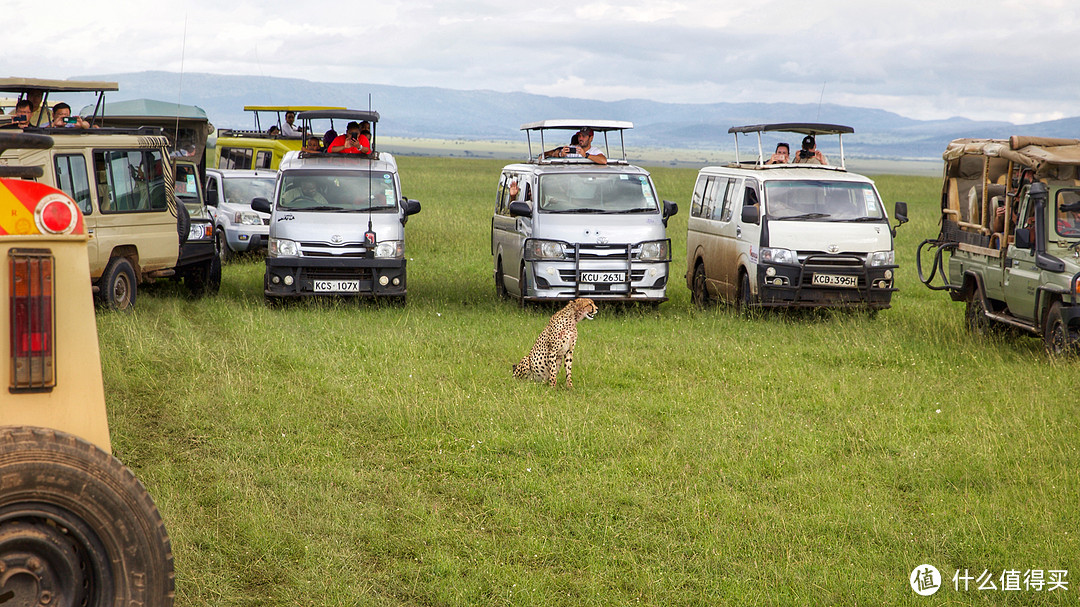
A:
(555, 343)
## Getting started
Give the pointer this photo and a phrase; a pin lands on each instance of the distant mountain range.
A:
(437, 113)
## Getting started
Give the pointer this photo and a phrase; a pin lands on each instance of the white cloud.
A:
(921, 58)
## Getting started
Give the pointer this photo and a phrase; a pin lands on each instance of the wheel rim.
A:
(222, 246)
(500, 282)
(121, 290)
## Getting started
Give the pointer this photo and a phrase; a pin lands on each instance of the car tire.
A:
(975, 318)
(77, 526)
(221, 244)
(183, 222)
(117, 286)
(745, 301)
(1058, 338)
(699, 293)
(500, 282)
(523, 286)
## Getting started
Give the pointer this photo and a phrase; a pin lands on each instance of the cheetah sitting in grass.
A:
(556, 343)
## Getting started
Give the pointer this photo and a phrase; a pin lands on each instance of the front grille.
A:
(338, 273)
(344, 250)
(570, 275)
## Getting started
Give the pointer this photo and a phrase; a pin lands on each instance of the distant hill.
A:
(454, 114)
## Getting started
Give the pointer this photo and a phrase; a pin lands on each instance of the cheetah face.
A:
(585, 308)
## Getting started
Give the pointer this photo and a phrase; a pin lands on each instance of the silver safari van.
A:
(576, 221)
(337, 222)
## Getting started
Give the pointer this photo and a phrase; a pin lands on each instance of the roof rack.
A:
(278, 109)
(24, 86)
(342, 114)
(803, 128)
(599, 126)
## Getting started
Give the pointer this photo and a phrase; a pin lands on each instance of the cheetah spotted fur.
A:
(555, 344)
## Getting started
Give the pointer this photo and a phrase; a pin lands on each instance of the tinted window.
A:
(815, 200)
(71, 177)
(596, 193)
(345, 191)
(130, 181)
(235, 158)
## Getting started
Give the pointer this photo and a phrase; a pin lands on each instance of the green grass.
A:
(353, 453)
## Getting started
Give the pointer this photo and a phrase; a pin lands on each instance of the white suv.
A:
(237, 227)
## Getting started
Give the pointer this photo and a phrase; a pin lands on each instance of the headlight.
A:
(779, 256)
(200, 231)
(545, 249)
(880, 258)
(656, 250)
(244, 218)
(388, 249)
(279, 247)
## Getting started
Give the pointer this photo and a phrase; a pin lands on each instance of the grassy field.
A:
(360, 454)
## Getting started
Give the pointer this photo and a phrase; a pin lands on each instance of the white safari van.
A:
(570, 224)
(795, 231)
(337, 222)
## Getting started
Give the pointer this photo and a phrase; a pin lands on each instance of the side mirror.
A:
(670, 209)
(261, 204)
(750, 214)
(411, 207)
(900, 214)
(520, 208)
(1023, 238)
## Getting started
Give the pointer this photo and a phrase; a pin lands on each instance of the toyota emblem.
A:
(833, 248)
(336, 239)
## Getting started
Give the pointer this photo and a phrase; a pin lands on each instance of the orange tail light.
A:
(33, 357)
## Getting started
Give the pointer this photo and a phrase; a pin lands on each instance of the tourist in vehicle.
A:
(352, 142)
(312, 145)
(62, 118)
(39, 114)
(562, 151)
(20, 116)
(289, 129)
(782, 155)
(274, 131)
(581, 148)
(809, 154)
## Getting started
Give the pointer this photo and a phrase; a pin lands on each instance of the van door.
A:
(1021, 275)
(747, 235)
(724, 195)
(507, 234)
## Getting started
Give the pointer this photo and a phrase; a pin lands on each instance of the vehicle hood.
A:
(599, 228)
(819, 236)
(325, 226)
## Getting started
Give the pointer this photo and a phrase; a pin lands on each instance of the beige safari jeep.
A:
(76, 526)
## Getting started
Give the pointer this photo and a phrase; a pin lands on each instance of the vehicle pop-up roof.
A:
(278, 110)
(342, 114)
(182, 124)
(22, 86)
(802, 128)
(571, 125)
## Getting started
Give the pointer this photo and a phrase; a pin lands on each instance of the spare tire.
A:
(76, 526)
(183, 221)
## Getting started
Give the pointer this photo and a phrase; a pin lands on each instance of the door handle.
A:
(738, 231)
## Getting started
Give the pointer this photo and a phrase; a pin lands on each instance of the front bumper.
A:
(793, 286)
(247, 238)
(303, 272)
(561, 280)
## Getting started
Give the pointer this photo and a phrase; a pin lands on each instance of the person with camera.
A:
(580, 147)
(809, 154)
(352, 142)
(782, 155)
(62, 118)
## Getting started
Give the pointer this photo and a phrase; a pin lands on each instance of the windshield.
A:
(241, 190)
(596, 193)
(1067, 212)
(814, 200)
(346, 191)
(187, 186)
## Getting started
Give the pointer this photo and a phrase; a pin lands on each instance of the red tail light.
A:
(33, 359)
(56, 214)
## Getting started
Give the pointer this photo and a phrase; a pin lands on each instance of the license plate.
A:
(336, 286)
(603, 277)
(835, 280)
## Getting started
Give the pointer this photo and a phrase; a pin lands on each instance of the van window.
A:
(502, 200)
(212, 192)
(71, 177)
(130, 180)
(263, 159)
(596, 193)
(187, 186)
(814, 200)
(721, 199)
(235, 158)
(335, 192)
(699, 195)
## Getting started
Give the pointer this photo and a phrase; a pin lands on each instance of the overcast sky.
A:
(924, 59)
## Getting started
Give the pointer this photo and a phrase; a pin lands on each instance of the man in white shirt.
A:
(287, 129)
(585, 148)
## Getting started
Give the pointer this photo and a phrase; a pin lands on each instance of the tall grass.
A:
(346, 453)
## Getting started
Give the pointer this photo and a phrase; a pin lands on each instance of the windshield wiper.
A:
(585, 210)
(322, 208)
(637, 210)
(806, 216)
(857, 219)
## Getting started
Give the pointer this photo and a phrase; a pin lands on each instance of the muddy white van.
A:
(571, 223)
(337, 222)
(795, 231)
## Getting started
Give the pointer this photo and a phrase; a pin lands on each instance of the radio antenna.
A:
(180, 86)
(820, 97)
